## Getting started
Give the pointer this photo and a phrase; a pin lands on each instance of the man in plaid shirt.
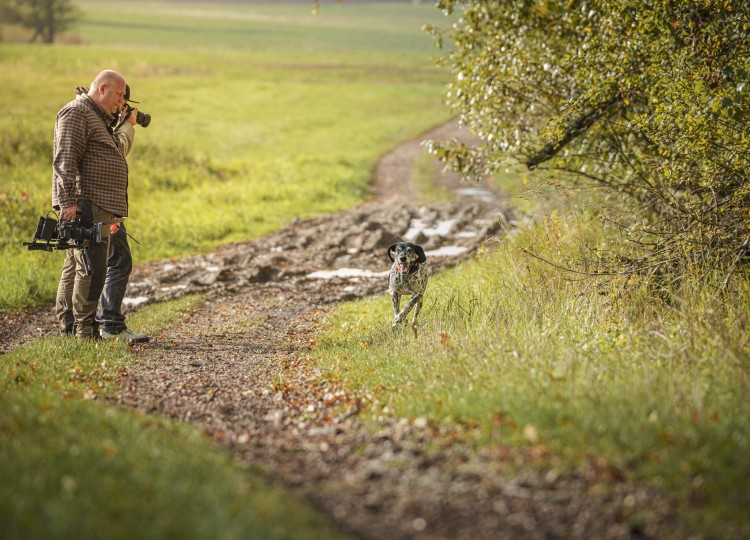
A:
(89, 181)
(110, 321)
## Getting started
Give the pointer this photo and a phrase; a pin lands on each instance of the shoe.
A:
(125, 334)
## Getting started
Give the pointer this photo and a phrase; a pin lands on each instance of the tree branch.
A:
(578, 126)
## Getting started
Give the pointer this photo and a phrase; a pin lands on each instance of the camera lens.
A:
(143, 119)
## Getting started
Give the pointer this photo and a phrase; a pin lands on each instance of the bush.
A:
(646, 100)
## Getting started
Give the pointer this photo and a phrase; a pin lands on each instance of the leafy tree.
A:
(46, 17)
(648, 98)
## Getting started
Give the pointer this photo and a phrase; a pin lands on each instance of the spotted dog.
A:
(408, 276)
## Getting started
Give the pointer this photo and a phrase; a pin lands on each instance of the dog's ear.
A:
(392, 251)
(421, 257)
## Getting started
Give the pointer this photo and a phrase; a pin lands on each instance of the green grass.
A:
(73, 467)
(260, 114)
(587, 369)
(379, 29)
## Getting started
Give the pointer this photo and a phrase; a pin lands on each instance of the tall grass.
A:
(261, 114)
(587, 368)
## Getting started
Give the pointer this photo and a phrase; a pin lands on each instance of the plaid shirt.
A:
(87, 160)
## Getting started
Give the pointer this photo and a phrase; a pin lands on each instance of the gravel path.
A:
(239, 368)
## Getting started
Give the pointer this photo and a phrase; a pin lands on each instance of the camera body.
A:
(77, 233)
(52, 234)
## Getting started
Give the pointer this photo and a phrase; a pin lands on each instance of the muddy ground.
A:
(239, 369)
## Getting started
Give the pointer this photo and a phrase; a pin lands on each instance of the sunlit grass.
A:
(583, 367)
(371, 27)
(246, 135)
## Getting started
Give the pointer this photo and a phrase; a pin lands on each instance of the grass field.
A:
(260, 114)
(577, 371)
(263, 113)
(72, 467)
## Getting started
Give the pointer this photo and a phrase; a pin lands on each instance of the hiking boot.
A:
(126, 334)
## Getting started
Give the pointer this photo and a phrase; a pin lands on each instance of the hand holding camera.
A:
(132, 114)
(68, 213)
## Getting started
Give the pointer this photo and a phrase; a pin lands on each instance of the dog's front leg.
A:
(417, 308)
(415, 300)
(396, 301)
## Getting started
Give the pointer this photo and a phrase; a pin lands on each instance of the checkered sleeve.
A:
(71, 128)
(125, 136)
(88, 161)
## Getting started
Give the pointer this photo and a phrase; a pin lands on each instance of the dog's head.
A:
(406, 255)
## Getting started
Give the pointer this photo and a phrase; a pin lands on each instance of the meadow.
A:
(263, 113)
(580, 373)
(72, 467)
(260, 114)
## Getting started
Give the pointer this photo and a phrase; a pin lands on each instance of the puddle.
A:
(441, 228)
(446, 251)
(477, 193)
(133, 302)
(350, 273)
(174, 288)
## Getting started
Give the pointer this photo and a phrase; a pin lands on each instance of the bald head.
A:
(108, 91)
(107, 77)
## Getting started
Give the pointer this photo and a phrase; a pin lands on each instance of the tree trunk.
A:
(50, 21)
(37, 33)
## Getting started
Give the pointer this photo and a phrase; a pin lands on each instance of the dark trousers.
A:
(119, 265)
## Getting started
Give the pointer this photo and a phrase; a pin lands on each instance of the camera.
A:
(52, 234)
(141, 118)
(77, 233)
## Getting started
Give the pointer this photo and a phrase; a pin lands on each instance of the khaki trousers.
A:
(78, 292)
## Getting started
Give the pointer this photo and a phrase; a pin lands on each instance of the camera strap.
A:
(123, 119)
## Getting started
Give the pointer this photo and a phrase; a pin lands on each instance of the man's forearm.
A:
(125, 135)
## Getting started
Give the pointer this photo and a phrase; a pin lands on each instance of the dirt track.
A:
(238, 369)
